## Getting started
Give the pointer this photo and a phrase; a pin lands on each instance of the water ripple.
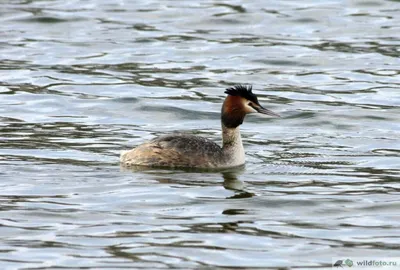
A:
(81, 81)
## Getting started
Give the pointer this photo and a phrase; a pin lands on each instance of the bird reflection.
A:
(196, 177)
(231, 182)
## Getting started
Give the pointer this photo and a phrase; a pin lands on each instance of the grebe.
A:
(181, 150)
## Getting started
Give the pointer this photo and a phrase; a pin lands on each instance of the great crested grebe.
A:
(182, 150)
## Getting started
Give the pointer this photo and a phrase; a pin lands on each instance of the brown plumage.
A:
(174, 150)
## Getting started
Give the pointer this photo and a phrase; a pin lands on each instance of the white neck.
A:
(232, 146)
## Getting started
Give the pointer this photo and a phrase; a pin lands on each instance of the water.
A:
(82, 80)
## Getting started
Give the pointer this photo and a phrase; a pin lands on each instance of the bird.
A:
(338, 263)
(190, 151)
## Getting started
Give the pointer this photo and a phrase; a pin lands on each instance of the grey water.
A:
(81, 81)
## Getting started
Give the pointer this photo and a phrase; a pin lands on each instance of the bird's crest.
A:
(242, 91)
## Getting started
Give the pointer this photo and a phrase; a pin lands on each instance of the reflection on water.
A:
(232, 182)
(230, 177)
(79, 82)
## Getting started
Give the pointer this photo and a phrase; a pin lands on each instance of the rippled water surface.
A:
(82, 80)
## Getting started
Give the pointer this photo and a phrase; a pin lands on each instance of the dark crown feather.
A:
(242, 91)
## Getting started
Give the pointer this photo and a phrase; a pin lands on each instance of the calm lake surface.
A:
(82, 80)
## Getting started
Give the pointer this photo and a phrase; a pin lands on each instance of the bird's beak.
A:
(262, 110)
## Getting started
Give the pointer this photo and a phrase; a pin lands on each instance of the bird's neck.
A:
(232, 146)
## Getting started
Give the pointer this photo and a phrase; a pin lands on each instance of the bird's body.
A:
(179, 150)
(182, 150)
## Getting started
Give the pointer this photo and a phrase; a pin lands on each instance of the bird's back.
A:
(175, 150)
